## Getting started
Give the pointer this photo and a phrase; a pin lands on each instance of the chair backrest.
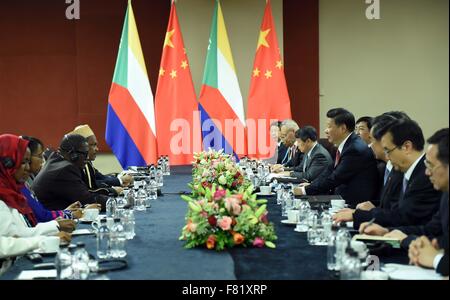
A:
(329, 146)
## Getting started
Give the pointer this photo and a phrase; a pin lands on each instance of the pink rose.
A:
(258, 242)
(233, 206)
(236, 208)
(204, 214)
(219, 194)
(225, 223)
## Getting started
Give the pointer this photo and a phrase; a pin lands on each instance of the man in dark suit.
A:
(390, 181)
(354, 174)
(435, 254)
(403, 143)
(316, 159)
(93, 177)
(288, 152)
(60, 182)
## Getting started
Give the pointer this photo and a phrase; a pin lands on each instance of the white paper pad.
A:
(32, 274)
(408, 272)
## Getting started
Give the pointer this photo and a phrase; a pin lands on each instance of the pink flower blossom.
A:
(225, 223)
(263, 218)
(204, 214)
(258, 242)
(236, 208)
(219, 194)
(233, 206)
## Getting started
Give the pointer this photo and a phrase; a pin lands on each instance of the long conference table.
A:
(156, 253)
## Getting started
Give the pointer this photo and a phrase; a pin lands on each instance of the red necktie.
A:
(338, 157)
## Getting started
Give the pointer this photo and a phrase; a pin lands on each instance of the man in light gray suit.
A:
(316, 159)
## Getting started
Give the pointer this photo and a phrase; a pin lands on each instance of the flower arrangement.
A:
(216, 167)
(223, 219)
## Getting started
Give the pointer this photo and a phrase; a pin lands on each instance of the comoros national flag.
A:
(130, 125)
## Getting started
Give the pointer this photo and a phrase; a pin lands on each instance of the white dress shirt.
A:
(340, 148)
(13, 224)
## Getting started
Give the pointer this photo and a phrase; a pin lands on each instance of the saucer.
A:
(301, 231)
(287, 222)
(261, 194)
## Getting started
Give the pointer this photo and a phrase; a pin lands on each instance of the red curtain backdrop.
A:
(55, 73)
(301, 59)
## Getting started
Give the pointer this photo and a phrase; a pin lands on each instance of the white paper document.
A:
(36, 274)
(408, 272)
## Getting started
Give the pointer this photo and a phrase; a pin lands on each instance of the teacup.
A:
(90, 214)
(358, 246)
(265, 189)
(292, 215)
(49, 244)
(337, 203)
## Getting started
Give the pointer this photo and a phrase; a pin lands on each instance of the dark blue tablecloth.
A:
(156, 252)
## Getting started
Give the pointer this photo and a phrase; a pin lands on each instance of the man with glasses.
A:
(60, 182)
(403, 144)
(421, 250)
(391, 179)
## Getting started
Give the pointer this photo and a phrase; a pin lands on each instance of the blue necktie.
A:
(405, 184)
(304, 163)
(386, 175)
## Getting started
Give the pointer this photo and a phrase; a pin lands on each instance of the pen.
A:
(368, 224)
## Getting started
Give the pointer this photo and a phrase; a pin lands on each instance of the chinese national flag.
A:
(177, 117)
(268, 97)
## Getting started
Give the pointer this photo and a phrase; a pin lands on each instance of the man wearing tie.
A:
(355, 174)
(289, 158)
(403, 143)
(392, 179)
(422, 251)
(316, 159)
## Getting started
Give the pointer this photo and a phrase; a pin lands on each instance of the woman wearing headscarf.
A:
(16, 217)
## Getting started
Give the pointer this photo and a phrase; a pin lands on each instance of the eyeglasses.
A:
(430, 167)
(387, 151)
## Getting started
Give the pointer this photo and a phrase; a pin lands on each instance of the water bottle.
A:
(343, 239)
(117, 240)
(80, 263)
(331, 252)
(147, 198)
(111, 206)
(103, 234)
(167, 166)
(63, 262)
(327, 224)
(130, 197)
(140, 200)
(312, 230)
(159, 177)
(351, 266)
(128, 223)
